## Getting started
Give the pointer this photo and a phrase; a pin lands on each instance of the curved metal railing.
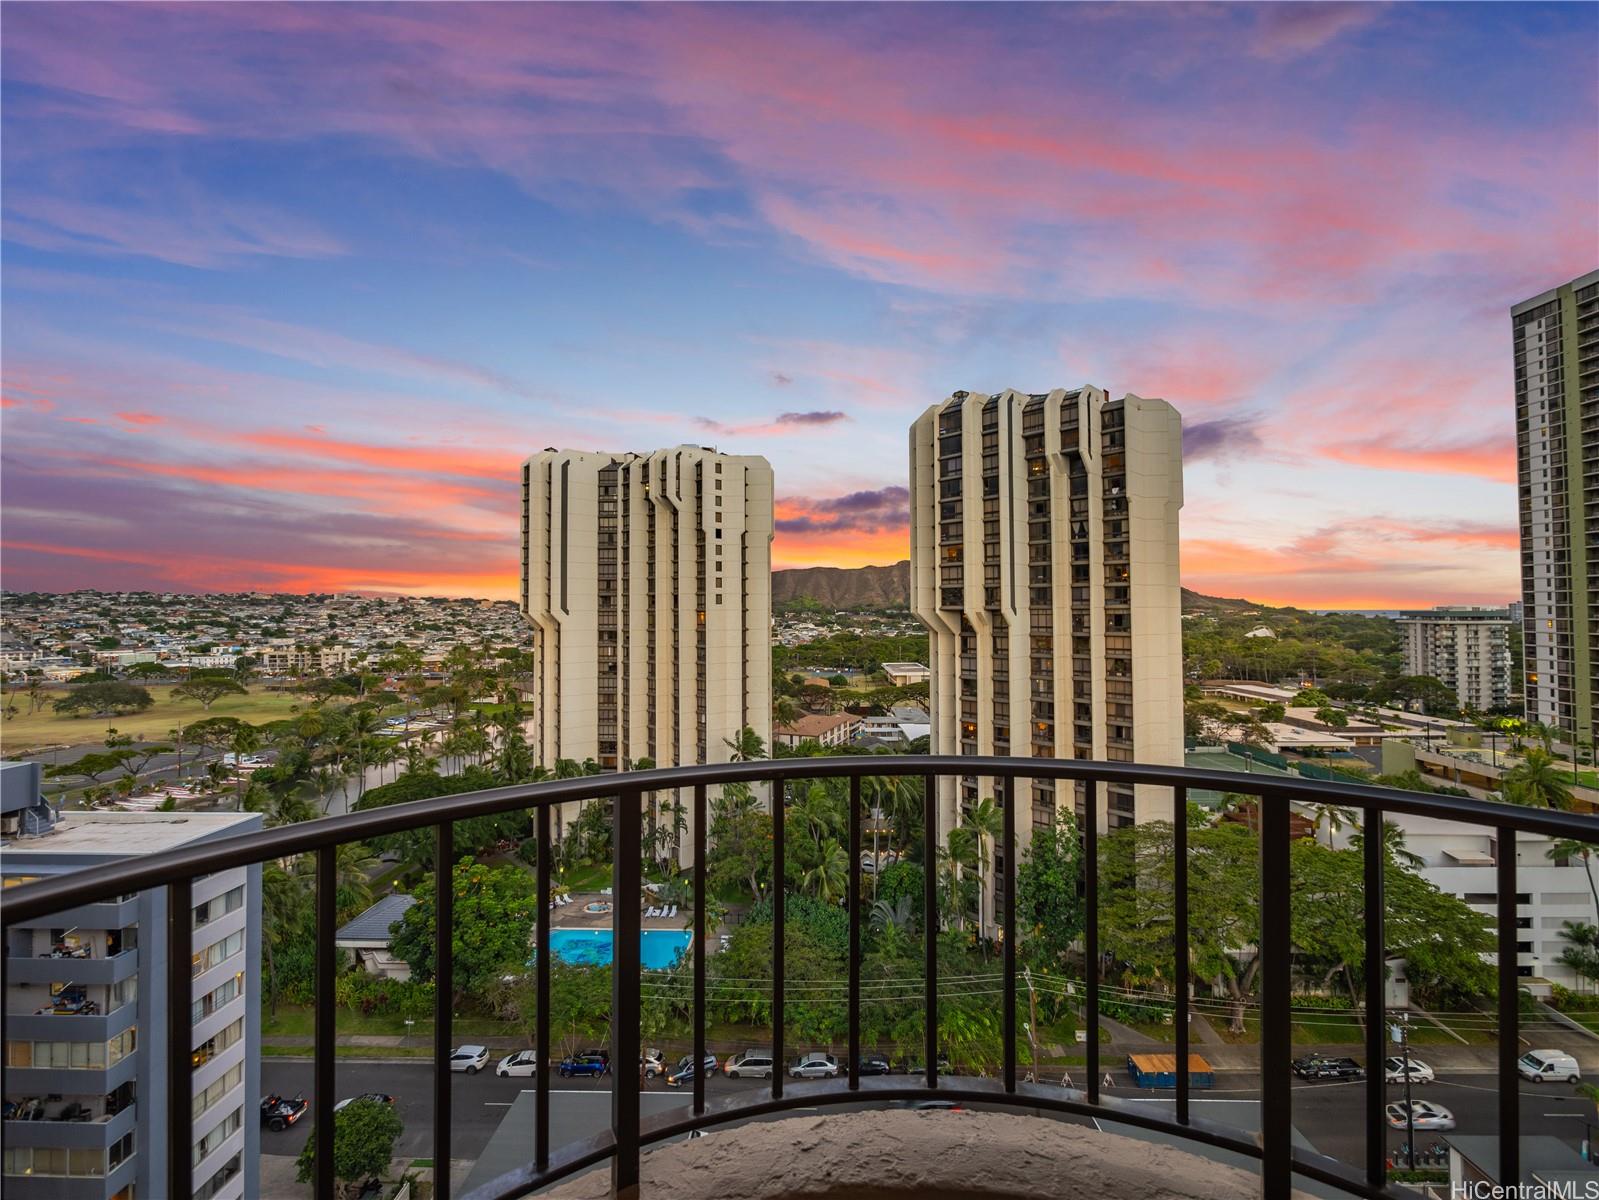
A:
(1279, 1160)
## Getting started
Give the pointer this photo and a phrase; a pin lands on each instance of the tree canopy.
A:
(105, 698)
(492, 933)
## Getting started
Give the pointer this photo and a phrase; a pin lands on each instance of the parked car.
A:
(279, 1112)
(600, 1052)
(684, 1071)
(749, 1064)
(873, 1064)
(1316, 1067)
(814, 1066)
(583, 1064)
(470, 1059)
(523, 1062)
(375, 1097)
(1426, 1116)
(1539, 1065)
(1393, 1071)
(653, 1063)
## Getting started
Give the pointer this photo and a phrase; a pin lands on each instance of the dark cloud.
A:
(1223, 437)
(809, 418)
(861, 512)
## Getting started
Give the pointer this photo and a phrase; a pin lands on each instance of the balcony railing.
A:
(1280, 1161)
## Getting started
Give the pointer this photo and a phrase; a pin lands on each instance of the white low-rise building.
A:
(1461, 859)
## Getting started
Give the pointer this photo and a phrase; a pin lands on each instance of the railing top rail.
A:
(33, 900)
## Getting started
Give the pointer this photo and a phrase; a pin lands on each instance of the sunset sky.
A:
(290, 290)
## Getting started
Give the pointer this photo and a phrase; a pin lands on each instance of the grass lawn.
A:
(299, 1021)
(47, 727)
(1587, 779)
(590, 877)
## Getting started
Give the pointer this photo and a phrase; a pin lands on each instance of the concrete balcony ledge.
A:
(890, 1154)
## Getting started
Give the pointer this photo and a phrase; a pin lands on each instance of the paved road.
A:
(1330, 1115)
(478, 1102)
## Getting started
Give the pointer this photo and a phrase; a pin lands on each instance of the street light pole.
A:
(1410, 1113)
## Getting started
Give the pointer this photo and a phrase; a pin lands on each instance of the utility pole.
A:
(1400, 1031)
(1032, 1020)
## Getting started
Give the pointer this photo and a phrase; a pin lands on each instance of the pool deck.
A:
(572, 916)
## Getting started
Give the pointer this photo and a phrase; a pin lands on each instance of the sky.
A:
(290, 290)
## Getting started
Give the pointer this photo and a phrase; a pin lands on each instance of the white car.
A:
(1393, 1071)
(749, 1064)
(814, 1066)
(523, 1062)
(653, 1062)
(470, 1059)
(1427, 1116)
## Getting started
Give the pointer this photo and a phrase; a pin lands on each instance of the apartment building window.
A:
(218, 1042)
(218, 953)
(218, 906)
(219, 1088)
(220, 1180)
(230, 1125)
(228, 992)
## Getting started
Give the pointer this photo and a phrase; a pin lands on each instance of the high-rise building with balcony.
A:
(648, 582)
(1555, 338)
(1044, 565)
(86, 1005)
(1466, 648)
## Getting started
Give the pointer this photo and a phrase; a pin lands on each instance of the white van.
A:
(1539, 1065)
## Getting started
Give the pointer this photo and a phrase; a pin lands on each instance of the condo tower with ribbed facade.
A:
(1044, 563)
(647, 578)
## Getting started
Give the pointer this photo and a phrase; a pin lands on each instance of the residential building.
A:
(1466, 648)
(369, 937)
(1555, 337)
(1044, 565)
(291, 658)
(826, 729)
(86, 1010)
(647, 581)
(906, 674)
(1550, 890)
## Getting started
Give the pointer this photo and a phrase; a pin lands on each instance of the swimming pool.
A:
(658, 948)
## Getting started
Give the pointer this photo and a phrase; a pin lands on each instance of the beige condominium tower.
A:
(1555, 338)
(648, 582)
(1044, 565)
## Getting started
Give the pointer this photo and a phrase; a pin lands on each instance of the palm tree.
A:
(352, 870)
(1335, 816)
(283, 904)
(361, 723)
(1569, 848)
(785, 711)
(246, 740)
(1393, 846)
(289, 808)
(815, 810)
(1535, 782)
(746, 747)
(960, 851)
(830, 876)
(986, 822)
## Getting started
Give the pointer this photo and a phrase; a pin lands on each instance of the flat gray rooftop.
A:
(120, 835)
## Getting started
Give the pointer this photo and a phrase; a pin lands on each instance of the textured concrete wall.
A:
(929, 1155)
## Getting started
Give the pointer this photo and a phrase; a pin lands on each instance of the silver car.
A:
(1393, 1071)
(470, 1059)
(1425, 1115)
(814, 1066)
(749, 1064)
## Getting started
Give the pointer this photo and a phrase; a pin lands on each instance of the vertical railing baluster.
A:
(1276, 1034)
(323, 1079)
(779, 956)
(1091, 933)
(1179, 825)
(180, 1037)
(443, 1000)
(1509, 1003)
(541, 992)
(855, 931)
(1008, 837)
(930, 927)
(699, 947)
(626, 885)
(1376, 969)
